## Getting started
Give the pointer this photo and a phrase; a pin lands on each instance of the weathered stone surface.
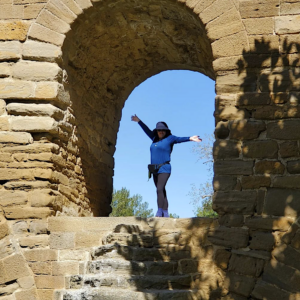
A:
(283, 130)
(262, 240)
(24, 212)
(255, 182)
(229, 237)
(8, 289)
(233, 167)
(12, 198)
(293, 166)
(257, 8)
(34, 241)
(287, 24)
(282, 202)
(260, 149)
(41, 268)
(269, 167)
(269, 223)
(289, 149)
(10, 50)
(10, 89)
(15, 137)
(36, 71)
(32, 11)
(65, 268)
(26, 282)
(4, 229)
(226, 149)
(27, 294)
(12, 268)
(46, 91)
(287, 255)
(45, 294)
(222, 130)
(221, 258)
(230, 113)
(291, 182)
(87, 239)
(283, 276)
(259, 25)
(235, 202)
(13, 30)
(253, 99)
(231, 220)
(296, 240)
(246, 130)
(242, 285)
(41, 255)
(77, 255)
(44, 34)
(62, 240)
(40, 51)
(33, 124)
(224, 183)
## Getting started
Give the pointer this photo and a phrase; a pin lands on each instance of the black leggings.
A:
(160, 181)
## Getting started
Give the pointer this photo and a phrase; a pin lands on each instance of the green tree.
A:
(202, 195)
(174, 216)
(124, 206)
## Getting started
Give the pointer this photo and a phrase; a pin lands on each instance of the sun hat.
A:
(161, 126)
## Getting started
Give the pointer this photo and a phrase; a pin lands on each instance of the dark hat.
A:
(162, 126)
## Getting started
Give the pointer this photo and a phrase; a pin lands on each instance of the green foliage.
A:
(174, 216)
(125, 206)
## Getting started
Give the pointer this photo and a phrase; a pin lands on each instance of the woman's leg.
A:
(160, 181)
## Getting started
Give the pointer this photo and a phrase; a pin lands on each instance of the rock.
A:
(287, 255)
(246, 130)
(26, 282)
(287, 24)
(11, 198)
(46, 91)
(287, 182)
(259, 25)
(13, 30)
(234, 202)
(221, 258)
(41, 268)
(224, 183)
(27, 294)
(262, 240)
(283, 130)
(257, 9)
(282, 202)
(24, 212)
(293, 166)
(16, 137)
(231, 220)
(10, 51)
(33, 124)
(226, 149)
(229, 237)
(269, 167)
(230, 113)
(62, 240)
(269, 223)
(233, 167)
(260, 149)
(8, 289)
(222, 130)
(289, 149)
(253, 99)
(296, 240)
(40, 241)
(12, 89)
(255, 182)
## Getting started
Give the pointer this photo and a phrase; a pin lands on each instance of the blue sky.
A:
(185, 101)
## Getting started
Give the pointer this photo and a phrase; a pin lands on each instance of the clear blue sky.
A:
(185, 101)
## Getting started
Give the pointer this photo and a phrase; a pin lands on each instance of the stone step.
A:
(139, 268)
(133, 282)
(127, 239)
(114, 294)
(116, 251)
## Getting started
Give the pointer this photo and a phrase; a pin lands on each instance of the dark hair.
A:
(168, 132)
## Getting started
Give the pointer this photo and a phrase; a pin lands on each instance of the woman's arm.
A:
(144, 126)
(194, 138)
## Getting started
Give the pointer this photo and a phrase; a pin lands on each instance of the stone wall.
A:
(66, 69)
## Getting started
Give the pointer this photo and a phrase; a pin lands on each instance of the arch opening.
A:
(111, 49)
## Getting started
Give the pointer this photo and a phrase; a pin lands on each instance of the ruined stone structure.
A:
(66, 69)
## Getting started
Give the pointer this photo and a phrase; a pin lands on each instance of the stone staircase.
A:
(132, 265)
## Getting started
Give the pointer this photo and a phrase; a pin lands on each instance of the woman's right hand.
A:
(135, 118)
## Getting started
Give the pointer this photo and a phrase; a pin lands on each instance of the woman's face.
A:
(161, 134)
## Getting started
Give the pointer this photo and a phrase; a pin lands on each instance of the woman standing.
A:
(161, 148)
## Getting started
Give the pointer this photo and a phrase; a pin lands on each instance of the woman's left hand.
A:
(195, 138)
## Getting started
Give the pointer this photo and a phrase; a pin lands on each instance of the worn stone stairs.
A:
(132, 265)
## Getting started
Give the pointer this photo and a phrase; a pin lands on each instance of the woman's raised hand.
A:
(195, 138)
(135, 118)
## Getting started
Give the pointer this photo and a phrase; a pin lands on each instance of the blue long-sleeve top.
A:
(161, 149)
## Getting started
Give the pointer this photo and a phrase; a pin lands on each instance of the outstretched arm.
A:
(177, 140)
(149, 132)
(195, 138)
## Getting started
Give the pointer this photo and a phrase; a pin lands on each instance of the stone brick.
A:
(269, 167)
(293, 166)
(77, 255)
(60, 10)
(260, 149)
(15, 89)
(231, 45)
(296, 240)
(289, 149)
(52, 22)
(62, 240)
(259, 25)
(282, 202)
(233, 167)
(287, 24)
(87, 239)
(50, 282)
(65, 268)
(44, 34)
(27, 212)
(41, 255)
(253, 99)
(288, 182)
(231, 220)
(32, 11)
(288, 8)
(12, 268)
(8, 289)
(33, 124)
(214, 10)
(226, 63)
(46, 90)
(226, 149)
(6, 248)
(13, 198)
(255, 182)
(224, 183)
(16, 137)
(11, 174)
(4, 123)
(221, 258)
(40, 51)
(283, 130)
(30, 294)
(26, 282)
(36, 71)
(257, 8)
(287, 255)
(222, 130)
(283, 276)
(4, 229)
(235, 202)
(269, 223)
(262, 241)
(41, 268)
(34, 241)
(229, 237)
(45, 294)
(84, 3)
(230, 113)
(74, 7)
(246, 130)
(8, 11)
(13, 30)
